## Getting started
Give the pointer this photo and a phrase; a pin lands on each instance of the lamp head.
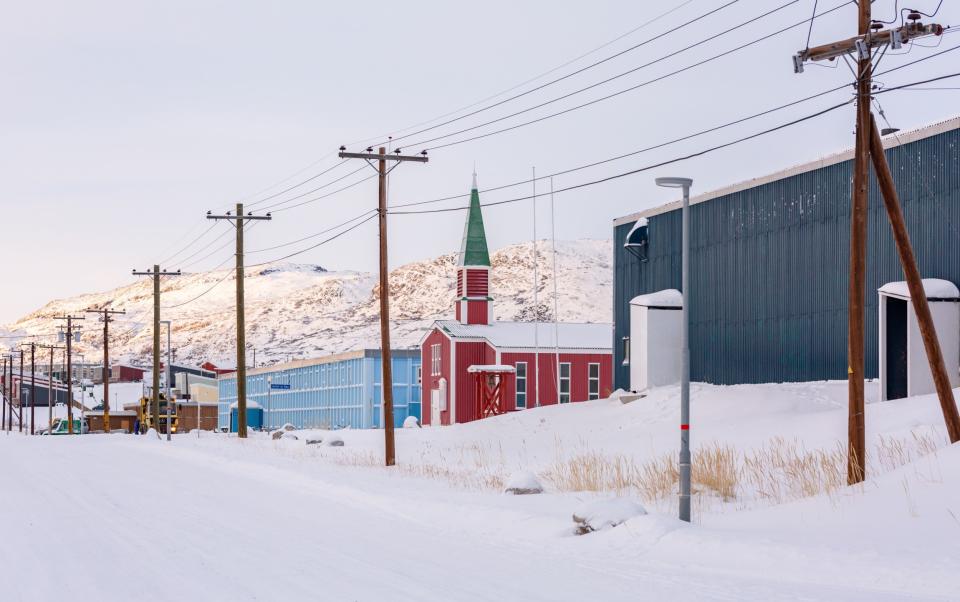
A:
(674, 182)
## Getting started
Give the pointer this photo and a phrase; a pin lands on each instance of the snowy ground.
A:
(222, 519)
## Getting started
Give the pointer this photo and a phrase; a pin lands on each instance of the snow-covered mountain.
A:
(296, 310)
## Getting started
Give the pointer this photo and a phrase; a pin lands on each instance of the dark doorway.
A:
(896, 348)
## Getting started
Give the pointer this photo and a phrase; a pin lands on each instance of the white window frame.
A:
(593, 382)
(435, 362)
(565, 397)
(516, 388)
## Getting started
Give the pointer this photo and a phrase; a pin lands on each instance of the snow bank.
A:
(603, 514)
(411, 422)
(523, 483)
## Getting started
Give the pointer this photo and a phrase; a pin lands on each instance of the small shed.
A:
(120, 421)
(654, 345)
(904, 369)
(491, 381)
(254, 416)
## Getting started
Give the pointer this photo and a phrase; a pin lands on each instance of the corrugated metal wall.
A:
(769, 266)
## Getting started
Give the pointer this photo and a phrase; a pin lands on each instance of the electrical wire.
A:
(682, 138)
(646, 167)
(581, 70)
(300, 196)
(297, 185)
(322, 242)
(607, 97)
(293, 242)
(327, 195)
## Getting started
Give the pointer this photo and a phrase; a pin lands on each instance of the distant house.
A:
(476, 367)
(125, 373)
(335, 391)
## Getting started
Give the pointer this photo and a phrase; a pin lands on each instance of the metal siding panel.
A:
(769, 266)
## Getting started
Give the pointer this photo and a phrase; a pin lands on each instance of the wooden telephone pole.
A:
(70, 333)
(156, 273)
(51, 397)
(238, 221)
(106, 319)
(33, 383)
(381, 157)
(6, 398)
(869, 146)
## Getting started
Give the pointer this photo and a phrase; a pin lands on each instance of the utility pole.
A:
(105, 317)
(6, 398)
(20, 395)
(238, 223)
(381, 157)
(69, 350)
(168, 375)
(33, 384)
(51, 398)
(869, 146)
(155, 399)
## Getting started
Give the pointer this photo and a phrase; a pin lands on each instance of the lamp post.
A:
(269, 388)
(685, 184)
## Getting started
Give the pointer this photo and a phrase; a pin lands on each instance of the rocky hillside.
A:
(298, 310)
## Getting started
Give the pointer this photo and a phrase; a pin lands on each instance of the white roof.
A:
(251, 405)
(491, 368)
(670, 297)
(521, 334)
(935, 288)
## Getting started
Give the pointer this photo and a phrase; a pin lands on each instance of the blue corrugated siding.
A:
(769, 266)
(332, 395)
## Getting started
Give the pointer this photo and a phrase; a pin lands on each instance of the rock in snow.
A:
(602, 514)
(523, 483)
(411, 422)
(333, 440)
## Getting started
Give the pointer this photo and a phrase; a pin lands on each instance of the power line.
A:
(297, 185)
(301, 195)
(582, 69)
(327, 195)
(645, 168)
(293, 242)
(680, 139)
(614, 94)
(230, 272)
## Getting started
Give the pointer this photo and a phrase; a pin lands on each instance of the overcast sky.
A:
(124, 122)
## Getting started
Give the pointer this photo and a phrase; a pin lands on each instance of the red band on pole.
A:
(684, 427)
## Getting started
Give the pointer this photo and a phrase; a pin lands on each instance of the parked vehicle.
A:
(145, 416)
(61, 426)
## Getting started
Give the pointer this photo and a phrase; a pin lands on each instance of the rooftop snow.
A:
(670, 297)
(935, 288)
(491, 368)
(522, 334)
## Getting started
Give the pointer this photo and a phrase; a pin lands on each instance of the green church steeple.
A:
(473, 250)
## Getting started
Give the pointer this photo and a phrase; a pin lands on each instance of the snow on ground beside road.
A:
(267, 519)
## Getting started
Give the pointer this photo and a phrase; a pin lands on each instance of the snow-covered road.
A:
(116, 517)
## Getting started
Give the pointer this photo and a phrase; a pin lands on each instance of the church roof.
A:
(473, 249)
(572, 335)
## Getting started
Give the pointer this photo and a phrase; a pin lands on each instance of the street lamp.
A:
(685, 184)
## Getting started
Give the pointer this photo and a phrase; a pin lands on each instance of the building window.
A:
(435, 360)
(593, 381)
(521, 384)
(565, 382)
(626, 351)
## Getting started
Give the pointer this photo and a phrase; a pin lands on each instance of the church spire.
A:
(473, 250)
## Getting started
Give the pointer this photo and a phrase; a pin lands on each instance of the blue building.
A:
(336, 391)
(769, 262)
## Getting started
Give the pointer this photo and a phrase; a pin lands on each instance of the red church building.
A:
(474, 367)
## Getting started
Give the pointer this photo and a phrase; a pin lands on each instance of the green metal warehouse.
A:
(769, 261)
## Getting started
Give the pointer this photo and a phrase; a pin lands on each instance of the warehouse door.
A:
(896, 348)
(434, 407)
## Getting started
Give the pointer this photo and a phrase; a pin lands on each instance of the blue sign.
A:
(279, 386)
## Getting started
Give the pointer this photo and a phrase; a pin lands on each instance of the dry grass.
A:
(779, 471)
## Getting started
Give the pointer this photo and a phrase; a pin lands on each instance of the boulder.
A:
(523, 483)
(411, 422)
(603, 514)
